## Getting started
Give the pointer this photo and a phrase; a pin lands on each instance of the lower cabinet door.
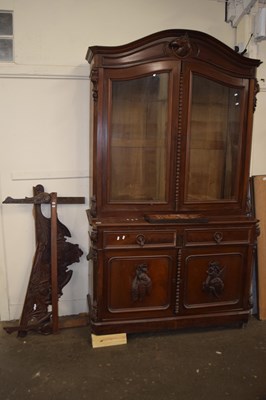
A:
(138, 284)
(215, 278)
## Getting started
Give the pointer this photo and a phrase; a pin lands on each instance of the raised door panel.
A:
(214, 279)
(139, 284)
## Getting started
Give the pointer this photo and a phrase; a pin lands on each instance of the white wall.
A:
(256, 50)
(44, 105)
(258, 166)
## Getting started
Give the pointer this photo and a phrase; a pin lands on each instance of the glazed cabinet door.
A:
(135, 138)
(216, 132)
(215, 279)
(138, 284)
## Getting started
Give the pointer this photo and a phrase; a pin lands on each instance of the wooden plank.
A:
(108, 340)
(54, 278)
(70, 200)
(44, 200)
(260, 212)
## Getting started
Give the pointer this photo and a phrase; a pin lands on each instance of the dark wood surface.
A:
(185, 260)
(49, 273)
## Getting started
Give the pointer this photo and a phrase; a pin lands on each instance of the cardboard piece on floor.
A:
(108, 340)
(260, 212)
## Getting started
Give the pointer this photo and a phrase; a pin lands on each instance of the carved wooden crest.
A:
(181, 47)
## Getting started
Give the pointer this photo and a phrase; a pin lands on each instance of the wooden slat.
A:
(54, 278)
(260, 212)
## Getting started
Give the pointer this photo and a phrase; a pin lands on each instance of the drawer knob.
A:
(140, 239)
(218, 237)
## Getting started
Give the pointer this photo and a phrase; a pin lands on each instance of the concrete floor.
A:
(215, 364)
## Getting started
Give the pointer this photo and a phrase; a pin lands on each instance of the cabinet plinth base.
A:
(154, 325)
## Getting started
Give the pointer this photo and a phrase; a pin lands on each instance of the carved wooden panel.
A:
(140, 282)
(213, 278)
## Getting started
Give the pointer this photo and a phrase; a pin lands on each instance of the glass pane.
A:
(214, 141)
(6, 50)
(139, 125)
(6, 24)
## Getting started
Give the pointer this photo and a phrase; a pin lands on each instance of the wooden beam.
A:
(54, 278)
(260, 212)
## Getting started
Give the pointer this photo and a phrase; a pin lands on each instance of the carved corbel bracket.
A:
(92, 254)
(94, 236)
(94, 311)
(256, 91)
(94, 76)
(93, 206)
(257, 229)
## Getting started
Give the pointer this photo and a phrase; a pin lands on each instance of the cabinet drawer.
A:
(216, 236)
(139, 239)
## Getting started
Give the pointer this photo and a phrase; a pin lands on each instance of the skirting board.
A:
(108, 340)
(259, 186)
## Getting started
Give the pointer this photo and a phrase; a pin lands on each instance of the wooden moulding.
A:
(108, 340)
(259, 184)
